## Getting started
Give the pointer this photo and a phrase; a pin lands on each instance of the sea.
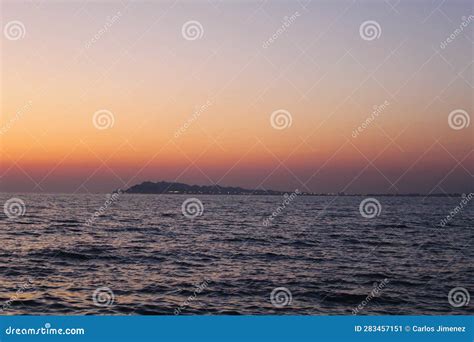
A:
(132, 254)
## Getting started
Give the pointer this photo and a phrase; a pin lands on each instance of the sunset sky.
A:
(199, 110)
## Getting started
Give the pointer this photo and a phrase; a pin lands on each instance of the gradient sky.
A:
(320, 70)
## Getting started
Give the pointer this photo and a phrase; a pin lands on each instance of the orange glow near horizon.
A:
(200, 111)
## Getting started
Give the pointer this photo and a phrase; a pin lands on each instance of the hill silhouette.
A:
(181, 188)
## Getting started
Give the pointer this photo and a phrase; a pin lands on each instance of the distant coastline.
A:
(173, 188)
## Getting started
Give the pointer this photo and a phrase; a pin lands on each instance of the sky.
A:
(320, 96)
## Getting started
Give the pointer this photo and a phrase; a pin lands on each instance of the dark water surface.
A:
(157, 261)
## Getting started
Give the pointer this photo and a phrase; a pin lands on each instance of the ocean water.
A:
(316, 256)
